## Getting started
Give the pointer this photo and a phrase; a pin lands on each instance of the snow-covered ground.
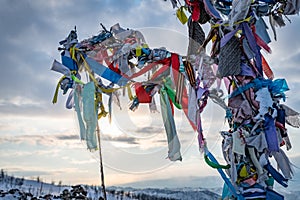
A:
(12, 188)
(16, 188)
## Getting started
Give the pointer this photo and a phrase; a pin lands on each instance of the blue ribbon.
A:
(276, 87)
(224, 177)
(270, 133)
(253, 45)
(106, 73)
(209, 7)
(69, 62)
(276, 175)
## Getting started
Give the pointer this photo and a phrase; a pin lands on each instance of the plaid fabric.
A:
(196, 36)
(230, 58)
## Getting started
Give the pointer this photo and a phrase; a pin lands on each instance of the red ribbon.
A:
(142, 95)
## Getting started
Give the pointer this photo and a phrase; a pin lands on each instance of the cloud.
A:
(33, 172)
(29, 173)
(70, 141)
(286, 43)
(9, 107)
(25, 27)
(148, 138)
(67, 137)
(29, 152)
(81, 162)
(149, 130)
(125, 139)
(285, 51)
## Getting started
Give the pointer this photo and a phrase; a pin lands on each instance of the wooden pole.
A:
(101, 164)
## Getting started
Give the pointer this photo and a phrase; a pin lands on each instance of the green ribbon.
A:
(77, 80)
(171, 93)
(215, 165)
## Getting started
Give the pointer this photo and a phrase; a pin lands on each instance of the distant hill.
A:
(18, 188)
(209, 182)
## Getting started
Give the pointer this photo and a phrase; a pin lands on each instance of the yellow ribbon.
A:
(98, 100)
(238, 22)
(138, 51)
(72, 52)
(181, 15)
(54, 100)
(130, 96)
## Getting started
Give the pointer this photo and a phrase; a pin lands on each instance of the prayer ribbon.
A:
(168, 120)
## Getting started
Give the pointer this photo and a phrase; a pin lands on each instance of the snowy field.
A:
(12, 188)
(16, 188)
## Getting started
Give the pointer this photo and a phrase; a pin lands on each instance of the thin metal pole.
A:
(101, 164)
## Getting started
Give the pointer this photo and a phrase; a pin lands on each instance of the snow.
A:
(15, 188)
(12, 188)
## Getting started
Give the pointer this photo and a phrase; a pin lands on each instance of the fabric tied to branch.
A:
(181, 15)
(58, 67)
(77, 100)
(196, 36)
(259, 142)
(276, 175)
(253, 45)
(171, 93)
(192, 105)
(106, 73)
(211, 10)
(89, 114)
(271, 134)
(292, 117)
(284, 164)
(230, 56)
(276, 87)
(223, 175)
(173, 141)
(215, 165)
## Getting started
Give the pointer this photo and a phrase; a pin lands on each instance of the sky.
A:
(39, 139)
